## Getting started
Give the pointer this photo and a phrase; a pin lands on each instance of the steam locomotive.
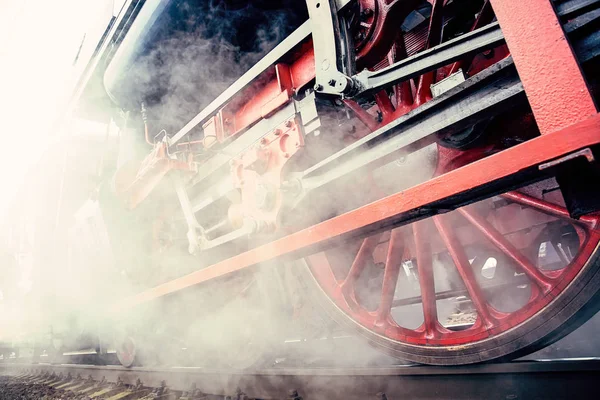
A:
(422, 173)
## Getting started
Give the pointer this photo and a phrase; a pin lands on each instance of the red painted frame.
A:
(384, 213)
(556, 88)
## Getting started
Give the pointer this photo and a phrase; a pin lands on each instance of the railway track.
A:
(547, 379)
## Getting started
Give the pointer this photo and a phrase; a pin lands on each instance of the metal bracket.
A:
(484, 38)
(330, 47)
(334, 61)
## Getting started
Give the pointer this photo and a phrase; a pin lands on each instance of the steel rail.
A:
(551, 379)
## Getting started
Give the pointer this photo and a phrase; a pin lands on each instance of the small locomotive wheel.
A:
(526, 273)
(127, 352)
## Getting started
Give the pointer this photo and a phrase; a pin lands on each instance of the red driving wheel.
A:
(520, 263)
(494, 279)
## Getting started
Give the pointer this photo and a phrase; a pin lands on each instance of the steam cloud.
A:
(245, 320)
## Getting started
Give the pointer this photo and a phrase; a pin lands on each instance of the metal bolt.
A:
(277, 132)
(263, 141)
(288, 124)
(318, 87)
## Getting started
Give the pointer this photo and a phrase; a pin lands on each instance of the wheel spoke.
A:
(404, 98)
(424, 88)
(362, 115)
(385, 105)
(464, 269)
(545, 207)
(390, 275)
(426, 282)
(538, 204)
(541, 280)
(359, 263)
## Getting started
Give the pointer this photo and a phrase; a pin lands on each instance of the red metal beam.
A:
(367, 219)
(555, 87)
